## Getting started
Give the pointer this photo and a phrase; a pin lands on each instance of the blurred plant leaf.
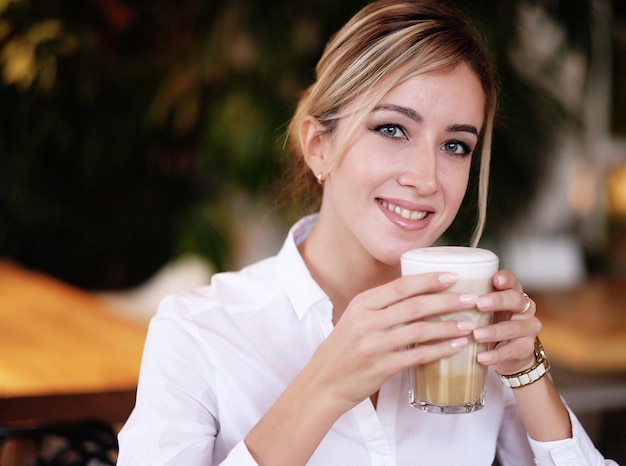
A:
(125, 125)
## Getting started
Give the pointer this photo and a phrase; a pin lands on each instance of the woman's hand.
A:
(381, 332)
(514, 329)
(513, 333)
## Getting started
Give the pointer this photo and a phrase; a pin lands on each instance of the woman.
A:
(295, 360)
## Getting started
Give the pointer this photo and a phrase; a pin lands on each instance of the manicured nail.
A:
(458, 342)
(480, 334)
(485, 302)
(465, 325)
(484, 358)
(448, 278)
(467, 298)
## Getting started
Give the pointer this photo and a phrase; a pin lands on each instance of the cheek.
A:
(359, 169)
(455, 185)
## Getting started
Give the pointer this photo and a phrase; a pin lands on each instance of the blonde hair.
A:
(384, 44)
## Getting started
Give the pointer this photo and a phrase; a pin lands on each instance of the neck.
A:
(343, 272)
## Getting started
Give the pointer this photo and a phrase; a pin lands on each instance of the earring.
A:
(319, 178)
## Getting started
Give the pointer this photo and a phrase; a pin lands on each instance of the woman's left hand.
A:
(514, 329)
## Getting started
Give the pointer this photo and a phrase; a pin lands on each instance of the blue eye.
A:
(457, 148)
(390, 130)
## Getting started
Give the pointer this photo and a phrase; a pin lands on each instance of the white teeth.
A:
(405, 213)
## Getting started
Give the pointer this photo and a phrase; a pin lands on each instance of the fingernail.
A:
(465, 325)
(468, 298)
(485, 302)
(448, 278)
(480, 334)
(458, 342)
(483, 357)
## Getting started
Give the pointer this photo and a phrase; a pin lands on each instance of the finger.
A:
(405, 287)
(509, 353)
(505, 279)
(423, 354)
(420, 307)
(426, 333)
(511, 300)
(508, 330)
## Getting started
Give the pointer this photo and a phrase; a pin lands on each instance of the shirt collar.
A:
(302, 290)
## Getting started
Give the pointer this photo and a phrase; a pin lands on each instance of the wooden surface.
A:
(58, 342)
(112, 407)
(65, 355)
(584, 329)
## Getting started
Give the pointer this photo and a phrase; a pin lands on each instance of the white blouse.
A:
(217, 357)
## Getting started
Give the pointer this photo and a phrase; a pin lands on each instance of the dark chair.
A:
(83, 443)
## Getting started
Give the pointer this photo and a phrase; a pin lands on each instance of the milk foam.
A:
(467, 262)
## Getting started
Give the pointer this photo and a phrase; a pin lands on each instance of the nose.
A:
(421, 173)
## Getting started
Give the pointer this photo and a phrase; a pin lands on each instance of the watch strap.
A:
(533, 373)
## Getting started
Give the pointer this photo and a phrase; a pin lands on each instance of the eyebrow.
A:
(463, 128)
(413, 115)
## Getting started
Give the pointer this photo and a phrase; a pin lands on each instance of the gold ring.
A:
(528, 301)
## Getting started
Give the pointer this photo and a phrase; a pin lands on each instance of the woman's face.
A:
(401, 181)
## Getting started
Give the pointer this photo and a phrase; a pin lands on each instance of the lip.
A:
(402, 221)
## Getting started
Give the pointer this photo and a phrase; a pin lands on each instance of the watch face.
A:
(540, 354)
(539, 351)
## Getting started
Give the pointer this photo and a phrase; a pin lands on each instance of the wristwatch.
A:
(532, 374)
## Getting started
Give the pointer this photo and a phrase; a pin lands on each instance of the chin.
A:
(390, 252)
(391, 258)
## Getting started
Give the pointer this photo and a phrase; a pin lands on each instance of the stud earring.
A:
(319, 178)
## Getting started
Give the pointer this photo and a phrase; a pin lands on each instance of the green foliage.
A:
(90, 189)
(124, 125)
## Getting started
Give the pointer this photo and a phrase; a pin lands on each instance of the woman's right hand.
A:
(382, 332)
(372, 341)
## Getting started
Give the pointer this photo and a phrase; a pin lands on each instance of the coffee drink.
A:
(455, 384)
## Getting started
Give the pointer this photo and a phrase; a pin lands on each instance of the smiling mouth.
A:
(405, 213)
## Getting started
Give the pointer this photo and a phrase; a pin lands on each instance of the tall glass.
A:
(455, 384)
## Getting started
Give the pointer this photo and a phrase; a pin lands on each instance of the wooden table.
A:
(584, 333)
(63, 354)
(584, 329)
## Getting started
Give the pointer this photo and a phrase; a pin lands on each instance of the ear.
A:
(315, 145)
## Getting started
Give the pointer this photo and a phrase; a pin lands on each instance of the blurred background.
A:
(132, 133)
(141, 143)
